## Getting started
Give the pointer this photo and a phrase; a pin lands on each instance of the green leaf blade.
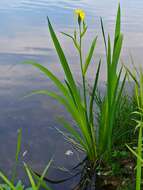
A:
(89, 56)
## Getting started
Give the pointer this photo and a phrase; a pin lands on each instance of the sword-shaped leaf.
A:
(64, 62)
(93, 93)
(89, 56)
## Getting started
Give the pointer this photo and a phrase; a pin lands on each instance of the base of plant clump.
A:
(117, 175)
(101, 176)
(87, 178)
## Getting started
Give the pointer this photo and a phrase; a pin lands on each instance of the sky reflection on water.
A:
(24, 21)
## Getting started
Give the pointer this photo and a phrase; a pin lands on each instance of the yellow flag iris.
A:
(80, 13)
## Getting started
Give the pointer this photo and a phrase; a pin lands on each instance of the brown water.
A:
(23, 36)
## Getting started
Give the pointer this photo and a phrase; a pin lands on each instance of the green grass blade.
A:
(116, 89)
(33, 184)
(43, 183)
(135, 153)
(43, 174)
(141, 89)
(73, 39)
(132, 75)
(109, 54)
(40, 179)
(5, 179)
(18, 148)
(53, 78)
(68, 35)
(93, 93)
(139, 163)
(118, 25)
(109, 75)
(84, 31)
(117, 51)
(63, 61)
(70, 107)
(89, 56)
(121, 90)
(103, 33)
(71, 93)
(18, 144)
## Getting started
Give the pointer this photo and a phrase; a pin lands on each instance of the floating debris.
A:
(24, 153)
(69, 153)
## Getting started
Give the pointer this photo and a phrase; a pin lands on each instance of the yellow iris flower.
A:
(80, 13)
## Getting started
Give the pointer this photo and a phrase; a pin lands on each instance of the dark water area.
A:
(24, 36)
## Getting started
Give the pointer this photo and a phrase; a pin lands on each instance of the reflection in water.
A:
(24, 36)
(37, 116)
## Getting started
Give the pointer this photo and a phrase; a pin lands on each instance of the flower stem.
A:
(81, 65)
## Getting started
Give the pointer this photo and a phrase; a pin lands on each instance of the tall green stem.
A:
(84, 93)
(81, 65)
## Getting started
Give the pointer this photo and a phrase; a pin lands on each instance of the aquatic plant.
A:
(35, 181)
(76, 104)
(95, 140)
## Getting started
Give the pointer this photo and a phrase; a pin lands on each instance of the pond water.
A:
(24, 35)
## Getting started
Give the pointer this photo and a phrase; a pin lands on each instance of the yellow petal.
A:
(80, 13)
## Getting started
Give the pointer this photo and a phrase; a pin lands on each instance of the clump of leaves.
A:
(138, 78)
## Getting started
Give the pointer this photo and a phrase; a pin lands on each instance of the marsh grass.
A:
(124, 122)
(137, 76)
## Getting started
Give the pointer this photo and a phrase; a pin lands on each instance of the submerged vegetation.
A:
(104, 126)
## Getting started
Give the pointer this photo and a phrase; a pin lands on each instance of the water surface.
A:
(23, 36)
